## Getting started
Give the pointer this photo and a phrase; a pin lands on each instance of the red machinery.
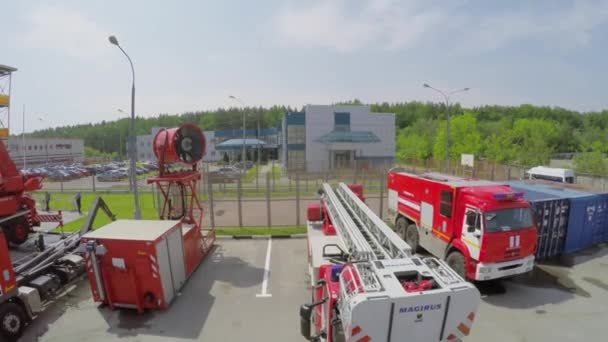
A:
(483, 229)
(31, 283)
(17, 209)
(143, 264)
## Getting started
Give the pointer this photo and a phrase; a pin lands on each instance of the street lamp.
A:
(46, 142)
(133, 147)
(244, 127)
(446, 97)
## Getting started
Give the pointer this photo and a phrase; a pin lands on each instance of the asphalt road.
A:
(221, 302)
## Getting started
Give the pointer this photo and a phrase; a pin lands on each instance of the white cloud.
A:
(324, 24)
(65, 31)
(347, 26)
(350, 25)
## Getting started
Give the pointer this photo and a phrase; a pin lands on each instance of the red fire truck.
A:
(483, 229)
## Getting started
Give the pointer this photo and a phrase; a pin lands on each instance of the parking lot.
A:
(222, 302)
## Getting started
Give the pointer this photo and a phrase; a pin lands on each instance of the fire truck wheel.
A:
(18, 231)
(401, 226)
(456, 261)
(12, 321)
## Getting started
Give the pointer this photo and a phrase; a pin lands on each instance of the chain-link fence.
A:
(267, 195)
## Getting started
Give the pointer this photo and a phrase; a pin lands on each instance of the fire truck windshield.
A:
(507, 219)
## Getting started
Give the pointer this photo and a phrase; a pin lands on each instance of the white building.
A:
(42, 151)
(322, 138)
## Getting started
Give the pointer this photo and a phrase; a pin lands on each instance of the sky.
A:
(192, 54)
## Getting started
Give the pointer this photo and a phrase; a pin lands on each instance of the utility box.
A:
(135, 264)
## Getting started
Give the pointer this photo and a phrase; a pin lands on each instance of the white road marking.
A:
(266, 272)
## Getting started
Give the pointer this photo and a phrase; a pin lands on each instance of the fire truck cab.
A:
(484, 230)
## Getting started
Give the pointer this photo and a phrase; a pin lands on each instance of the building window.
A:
(342, 122)
(296, 160)
(296, 134)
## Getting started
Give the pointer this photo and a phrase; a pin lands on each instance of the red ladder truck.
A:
(368, 286)
(18, 214)
(484, 230)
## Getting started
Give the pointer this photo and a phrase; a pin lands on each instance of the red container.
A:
(313, 212)
(358, 190)
(136, 264)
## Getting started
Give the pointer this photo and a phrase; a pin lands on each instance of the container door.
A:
(176, 258)
(164, 269)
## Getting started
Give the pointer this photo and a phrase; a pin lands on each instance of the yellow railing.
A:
(4, 100)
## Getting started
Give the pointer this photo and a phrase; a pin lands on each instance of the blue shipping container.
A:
(551, 214)
(587, 217)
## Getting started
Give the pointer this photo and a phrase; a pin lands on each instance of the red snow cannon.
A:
(184, 144)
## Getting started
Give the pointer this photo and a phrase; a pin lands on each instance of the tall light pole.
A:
(46, 142)
(23, 136)
(132, 145)
(244, 156)
(446, 97)
(120, 138)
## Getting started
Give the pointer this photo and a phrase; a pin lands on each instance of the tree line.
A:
(524, 135)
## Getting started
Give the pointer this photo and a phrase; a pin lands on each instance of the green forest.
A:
(524, 135)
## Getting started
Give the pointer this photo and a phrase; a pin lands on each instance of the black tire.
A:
(401, 226)
(18, 230)
(412, 237)
(12, 321)
(457, 263)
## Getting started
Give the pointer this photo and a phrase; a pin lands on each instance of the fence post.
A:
(492, 174)
(257, 178)
(47, 201)
(272, 172)
(268, 212)
(93, 176)
(382, 176)
(297, 200)
(61, 180)
(354, 172)
(306, 184)
(509, 173)
(210, 200)
(239, 188)
(289, 178)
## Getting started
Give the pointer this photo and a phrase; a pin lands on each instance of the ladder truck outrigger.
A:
(368, 286)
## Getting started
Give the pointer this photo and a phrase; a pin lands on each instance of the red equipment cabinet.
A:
(136, 264)
(142, 264)
(483, 229)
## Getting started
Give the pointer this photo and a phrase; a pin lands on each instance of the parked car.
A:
(247, 164)
(112, 176)
(226, 174)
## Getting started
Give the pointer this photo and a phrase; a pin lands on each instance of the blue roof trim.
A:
(236, 144)
(349, 136)
(296, 147)
(341, 118)
(295, 118)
